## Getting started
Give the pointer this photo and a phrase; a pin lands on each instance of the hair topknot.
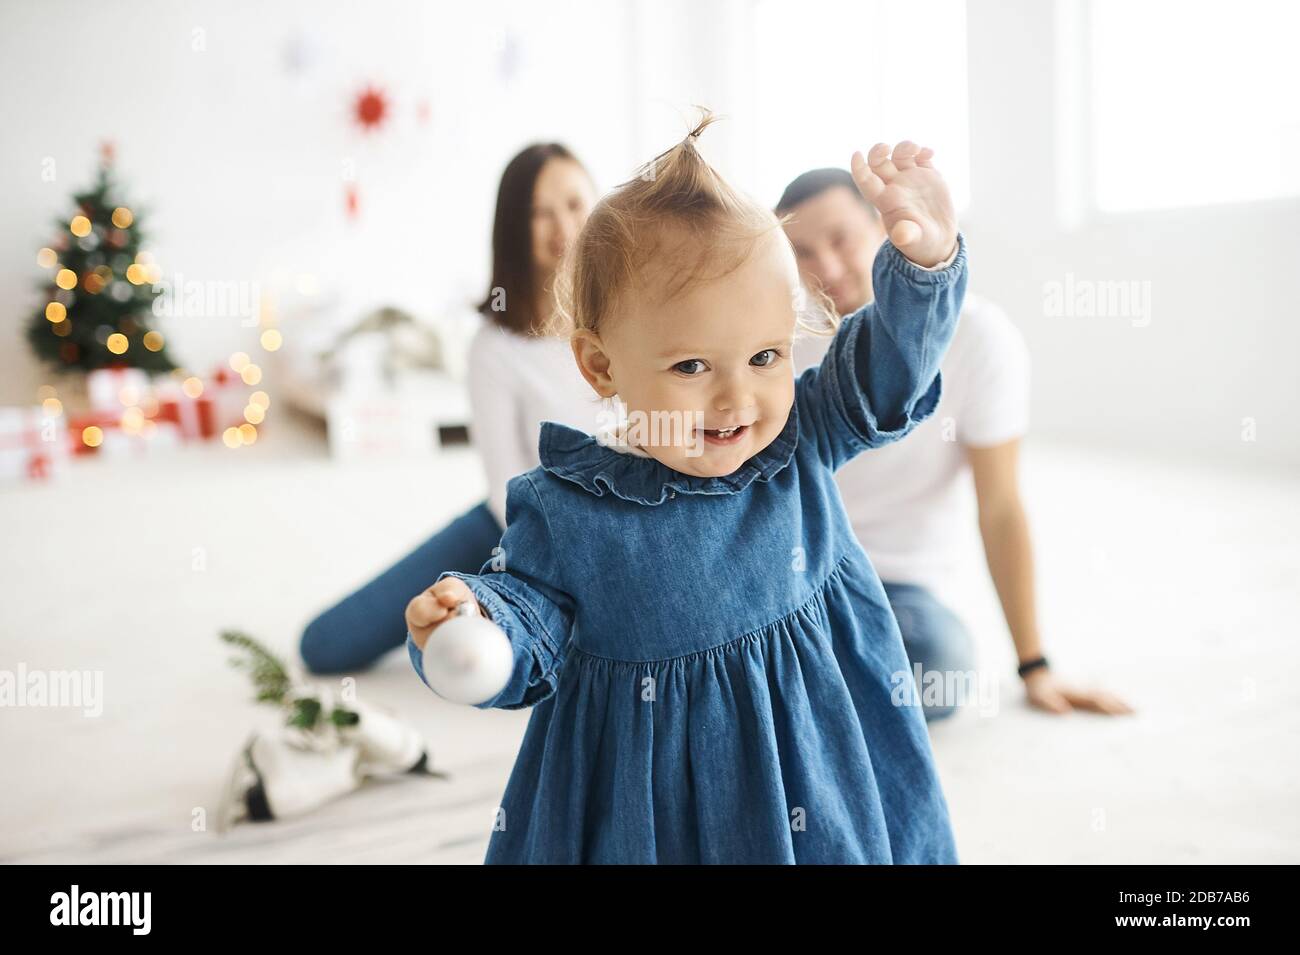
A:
(677, 223)
(706, 120)
(683, 154)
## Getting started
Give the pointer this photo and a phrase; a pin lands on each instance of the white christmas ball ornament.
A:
(468, 659)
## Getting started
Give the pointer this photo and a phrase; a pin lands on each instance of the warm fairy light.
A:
(149, 406)
(62, 329)
(271, 339)
(55, 312)
(143, 257)
(122, 217)
(47, 258)
(247, 433)
(47, 391)
(129, 395)
(132, 420)
(117, 343)
(66, 279)
(80, 226)
(135, 274)
(261, 399)
(92, 437)
(253, 414)
(94, 283)
(192, 387)
(251, 374)
(231, 438)
(266, 310)
(53, 407)
(239, 361)
(153, 341)
(153, 274)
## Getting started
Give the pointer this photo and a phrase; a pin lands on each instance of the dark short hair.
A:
(814, 183)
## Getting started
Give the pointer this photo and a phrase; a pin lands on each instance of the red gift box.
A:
(104, 420)
(195, 418)
(220, 405)
(116, 441)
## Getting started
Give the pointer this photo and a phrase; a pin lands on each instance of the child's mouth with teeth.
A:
(725, 435)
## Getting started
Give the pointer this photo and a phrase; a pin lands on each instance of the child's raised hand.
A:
(426, 611)
(912, 197)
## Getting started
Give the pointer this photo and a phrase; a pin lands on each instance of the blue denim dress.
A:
(714, 669)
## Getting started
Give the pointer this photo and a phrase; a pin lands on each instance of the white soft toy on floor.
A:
(289, 773)
(330, 745)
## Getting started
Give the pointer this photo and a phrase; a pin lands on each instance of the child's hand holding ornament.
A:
(468, 659)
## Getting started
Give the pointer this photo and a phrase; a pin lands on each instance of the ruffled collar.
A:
(581, 458)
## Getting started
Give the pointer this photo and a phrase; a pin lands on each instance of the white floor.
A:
(1178, 588)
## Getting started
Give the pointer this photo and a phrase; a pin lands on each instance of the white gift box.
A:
(105, 386)
(401, 422)
(33, 444)
(118, 443)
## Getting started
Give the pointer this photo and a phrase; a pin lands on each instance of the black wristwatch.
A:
(1029, 666)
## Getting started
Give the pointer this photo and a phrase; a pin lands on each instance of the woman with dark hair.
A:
(519, 376)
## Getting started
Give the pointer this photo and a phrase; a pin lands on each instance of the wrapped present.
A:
(369, 426)
(105, 421)
(33, 444)
(193, 418)
(111, 389)
(115, 441)
(154, 436)
(229, 396)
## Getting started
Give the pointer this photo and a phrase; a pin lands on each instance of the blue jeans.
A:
(933, 636)
(365, 625)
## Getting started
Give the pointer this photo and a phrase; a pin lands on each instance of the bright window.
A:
(1193, 102)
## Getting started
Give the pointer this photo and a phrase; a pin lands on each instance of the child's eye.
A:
(689, 361)
(767, 351)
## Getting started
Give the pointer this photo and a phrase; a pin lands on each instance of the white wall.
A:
(1224, 328)
(241, 160)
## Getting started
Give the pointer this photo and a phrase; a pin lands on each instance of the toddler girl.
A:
(715, 672)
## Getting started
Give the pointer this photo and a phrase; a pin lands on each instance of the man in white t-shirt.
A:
(904, 500)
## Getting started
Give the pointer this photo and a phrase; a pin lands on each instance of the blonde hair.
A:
(673, 226)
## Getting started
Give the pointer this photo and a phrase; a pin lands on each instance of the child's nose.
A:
(733, 396)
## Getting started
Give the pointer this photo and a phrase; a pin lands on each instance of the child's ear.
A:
(592, 361)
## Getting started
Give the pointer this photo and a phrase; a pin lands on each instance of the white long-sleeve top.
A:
(515, 383)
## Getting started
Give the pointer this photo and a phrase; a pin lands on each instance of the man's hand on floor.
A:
(1047, 692)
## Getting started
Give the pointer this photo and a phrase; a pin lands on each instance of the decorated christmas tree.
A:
(96, 307)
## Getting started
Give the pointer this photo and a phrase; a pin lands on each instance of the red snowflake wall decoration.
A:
(370, 109)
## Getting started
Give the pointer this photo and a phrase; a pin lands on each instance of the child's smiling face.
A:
(716, 356)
